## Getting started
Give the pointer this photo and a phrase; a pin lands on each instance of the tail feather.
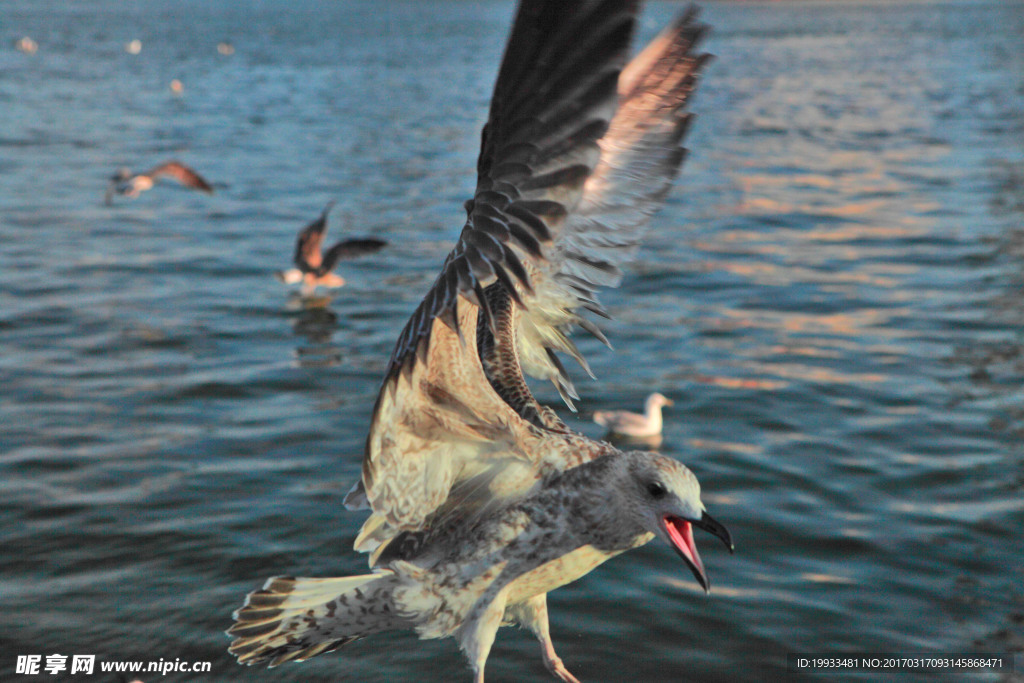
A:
(298, 618)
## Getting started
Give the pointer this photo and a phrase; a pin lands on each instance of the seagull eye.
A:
(656, 489)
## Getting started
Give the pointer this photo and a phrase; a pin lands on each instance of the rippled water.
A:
(833, 296)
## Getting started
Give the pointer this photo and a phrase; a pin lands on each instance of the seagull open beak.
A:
(680, 534)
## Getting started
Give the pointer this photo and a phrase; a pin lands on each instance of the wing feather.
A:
(182, 173)
(640, 156)
(308, 255)
(349, 249)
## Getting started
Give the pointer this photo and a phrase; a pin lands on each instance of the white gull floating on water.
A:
(626, 424)
(482, 500)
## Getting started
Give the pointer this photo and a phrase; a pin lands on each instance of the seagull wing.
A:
(349, 249)
(183, 174)
(308, 255)
(455, 427)
(640, 156)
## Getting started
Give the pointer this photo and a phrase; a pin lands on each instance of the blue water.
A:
(833, 296)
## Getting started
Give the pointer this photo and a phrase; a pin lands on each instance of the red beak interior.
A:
(680, 532)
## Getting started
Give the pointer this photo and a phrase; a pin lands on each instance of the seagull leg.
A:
(476, 635)
(533, 614)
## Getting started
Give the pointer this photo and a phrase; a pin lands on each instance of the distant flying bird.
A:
(625, 423)
(124, 182)
(313, 267)
(481, 499)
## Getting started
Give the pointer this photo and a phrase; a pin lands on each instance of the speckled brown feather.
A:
(553, 100)
(498, 355)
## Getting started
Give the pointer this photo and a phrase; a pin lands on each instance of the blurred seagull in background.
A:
(124, 182)
(313, 267)
(627, 424)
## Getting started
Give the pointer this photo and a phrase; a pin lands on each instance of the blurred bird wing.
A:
(349, 249)
(182, 173)
(308, 245)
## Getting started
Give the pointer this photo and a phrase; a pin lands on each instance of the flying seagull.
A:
(313, 268)
(627, 424)
(462, 579)
(124, 182)
(482, 500)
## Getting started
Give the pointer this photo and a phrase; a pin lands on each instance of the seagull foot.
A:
(555, 666)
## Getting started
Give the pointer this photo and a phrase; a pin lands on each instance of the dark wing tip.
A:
(551, 102)
(349, 249)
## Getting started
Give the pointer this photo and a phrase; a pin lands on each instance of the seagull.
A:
(481, 499)
(627, 424)
(124, 182)
(314, 267)
(444, 581)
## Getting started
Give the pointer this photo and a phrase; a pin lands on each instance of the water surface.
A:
(832, 296)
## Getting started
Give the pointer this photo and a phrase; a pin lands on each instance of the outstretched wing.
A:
(351, 248)
(183, 174)
(553, 101)
(640, 156)
(308, 256)
(575, 156)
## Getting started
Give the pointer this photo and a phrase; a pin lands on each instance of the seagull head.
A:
(666, 499)
(289, 277)
(657, 401)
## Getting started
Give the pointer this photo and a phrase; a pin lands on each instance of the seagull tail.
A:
(298, 618)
